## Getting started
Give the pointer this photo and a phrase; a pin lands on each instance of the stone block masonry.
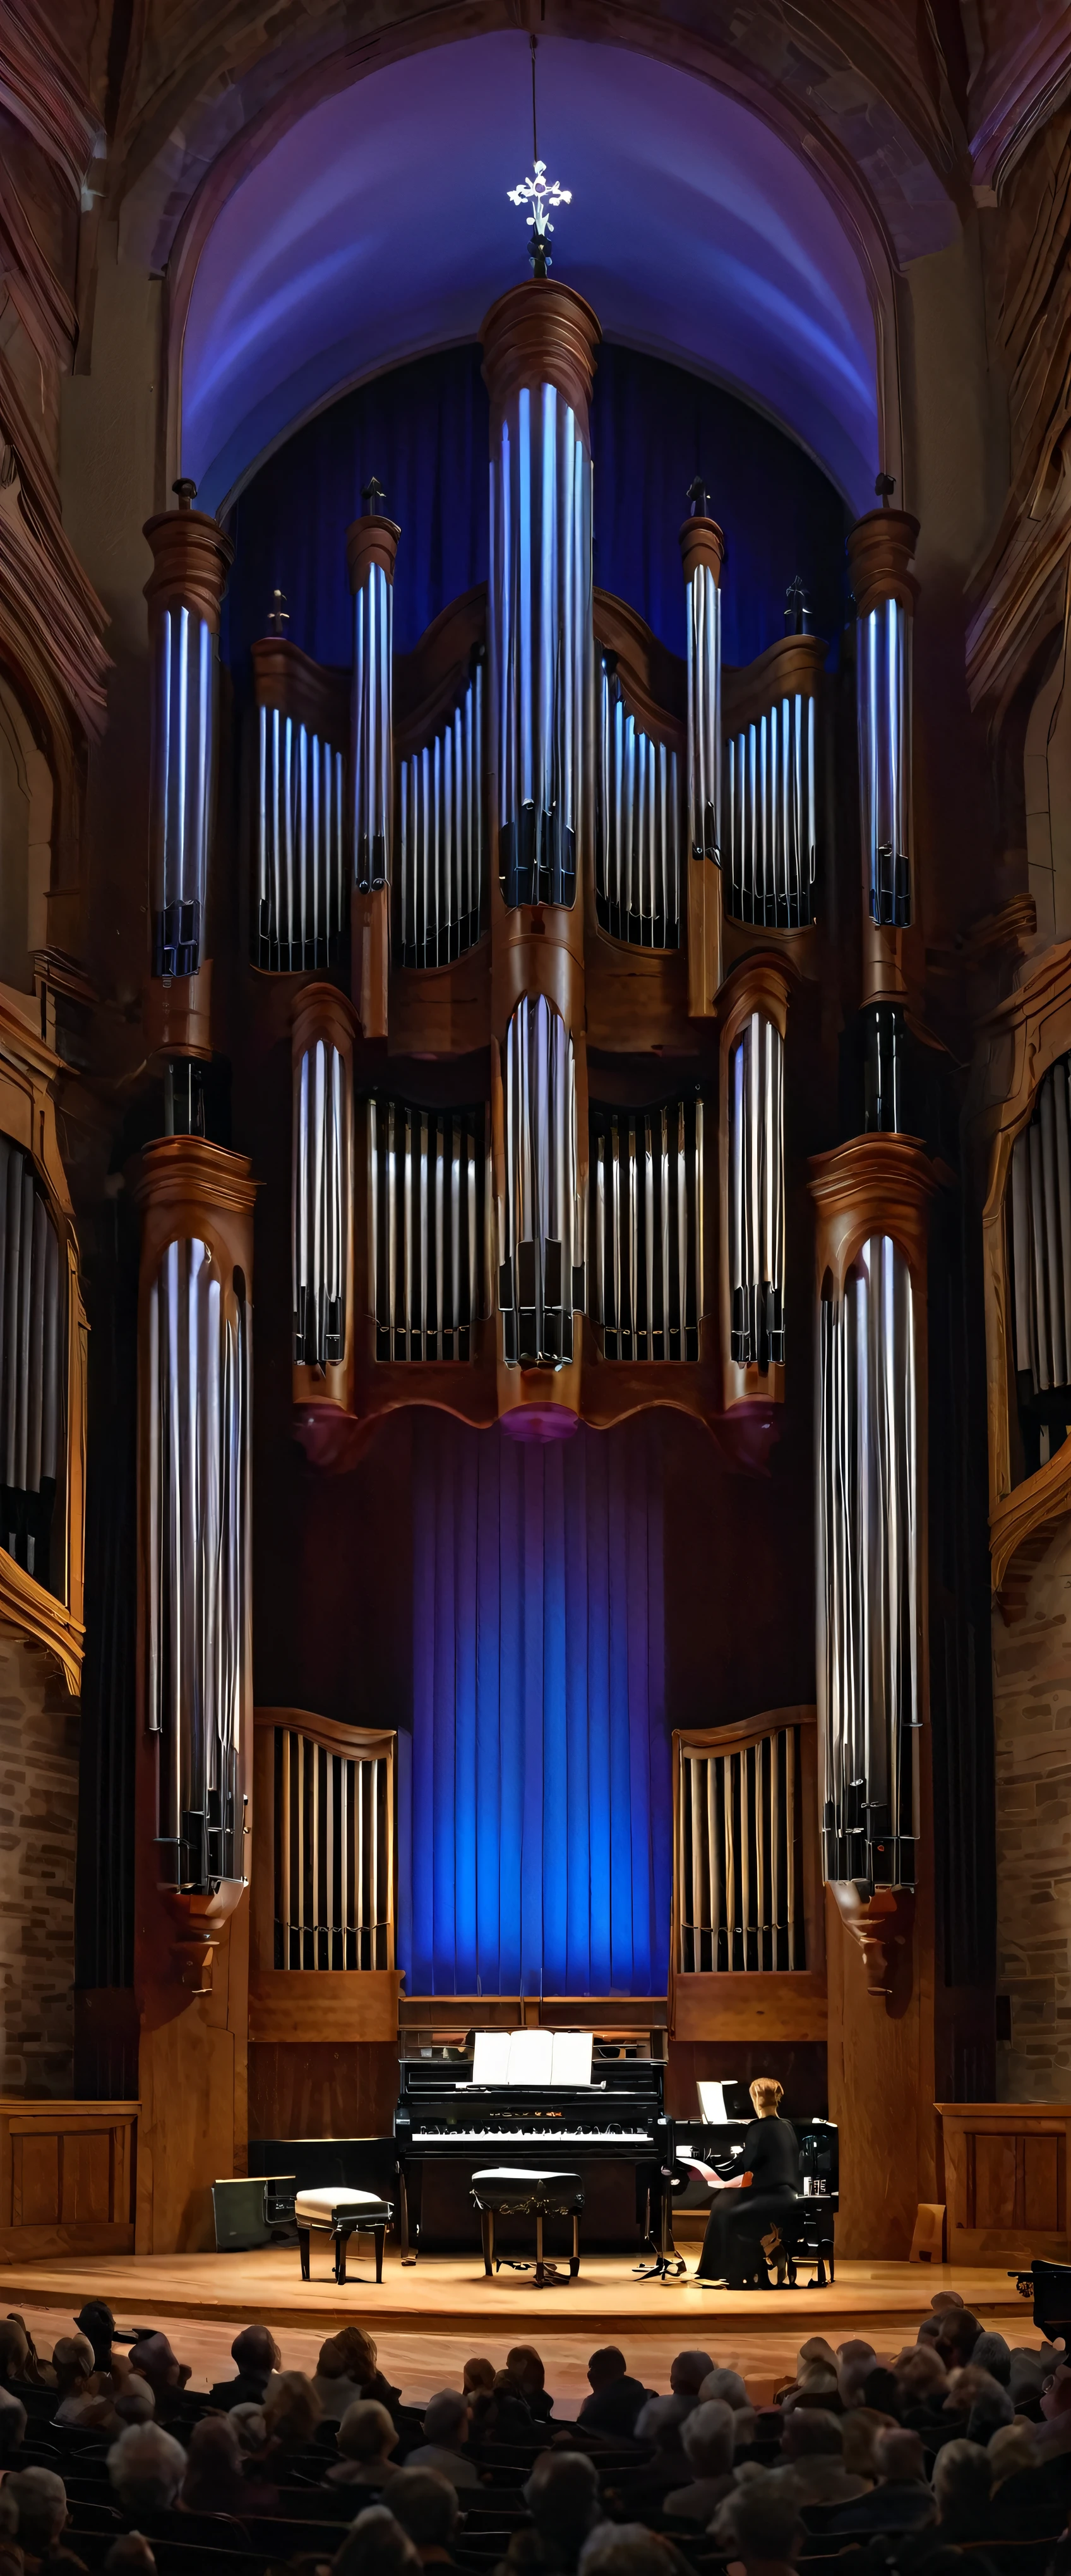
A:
(38, 1829)
(1032, 1721)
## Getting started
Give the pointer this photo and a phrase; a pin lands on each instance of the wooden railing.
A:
(748, 1948)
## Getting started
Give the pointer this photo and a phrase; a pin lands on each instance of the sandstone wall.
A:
(38, 1823)
(1032, 1719)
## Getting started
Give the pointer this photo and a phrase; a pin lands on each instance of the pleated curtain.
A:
(535, 1825)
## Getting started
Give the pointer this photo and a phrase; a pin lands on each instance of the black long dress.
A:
(739, 2218)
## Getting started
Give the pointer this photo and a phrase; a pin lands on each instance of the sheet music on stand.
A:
(532, 2057)
(713, 2106)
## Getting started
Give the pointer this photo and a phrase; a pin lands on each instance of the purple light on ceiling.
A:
(379, 226)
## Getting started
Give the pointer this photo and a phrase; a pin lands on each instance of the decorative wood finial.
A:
(885, 486)
(797, 608)
(186, 491)
(373, 493)
(280, 614)
(698, 496)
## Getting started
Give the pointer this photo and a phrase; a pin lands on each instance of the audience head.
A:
(920, 2375)
(808, 2433)
(292, 2410)
(426, 2505)
(974, 2393)
(146, 2467)
(249, 2424)
(477, 2375)
(375, 2545)
(12, 2423)
(606, 2365)
(880, 2390)
(130, 2555)
(962, 2478)
(816, 2386)
(562, 2495)
(14, 2349)
(367, 2432)
(899, 2458)
(213, 2481)
(1010, 2449)
(859, 2434)
(73, 2363)
(95, 2320)
(728, 2385)
(626, 2549)
(40, 2500)
(526, 2369)
(957, 2335)
(153, 2359)
(760, 2521)
(134, 2402)
(1056, 2395)
(993, 2354)
(816, 2348)
(660, 2419)
(688, 2371)
(359, 2356)
(256, 2352)
(707, 2436)
(446, 2419)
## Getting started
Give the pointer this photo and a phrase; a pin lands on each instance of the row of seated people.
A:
(954, 2447)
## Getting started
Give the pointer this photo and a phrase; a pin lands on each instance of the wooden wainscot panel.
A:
(66, 2178)
(1006, 2180)
(336, 2004)
(775, 2005)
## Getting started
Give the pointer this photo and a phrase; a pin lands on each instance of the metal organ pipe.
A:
(880, 547)
(702, 553)
(184, 592)
(198, 1561)
(33, 1364)
(426, 1197)
(638, 853)
(539, 625)
(1039, 1203)
(441, 835)
(646, 1201)
(321, 1205)
(541, 1272)
(869, 1573)
(301, 888)
(371, 547)
(757, 1194)
(741, 1860)
(770, 819)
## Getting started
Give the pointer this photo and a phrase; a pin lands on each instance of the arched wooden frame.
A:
(1028, 1034)
(762, 984)
(318, 2004)
(775, 2004)
(28, 1073)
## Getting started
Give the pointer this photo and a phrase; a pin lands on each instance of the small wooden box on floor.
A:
(66, 2178)
(1006, 2180)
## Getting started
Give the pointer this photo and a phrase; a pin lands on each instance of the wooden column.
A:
(371, 549)
(539, 334)
(191, 560)
(191, 1946)
(880, 1947)
(703, 554)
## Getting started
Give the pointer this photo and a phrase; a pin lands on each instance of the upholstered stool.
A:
(341, 2213)
(508, 2190)
(806, 2236)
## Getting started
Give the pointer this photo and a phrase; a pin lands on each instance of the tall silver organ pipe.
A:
(441, 836)
(741, 1858)
(191, 557)
(33, 1364)
(301, 877)
(539, 622)
(757, 1194)
(321, 1205)
(199, 1561)
(333, 1889)
(869, 1575)
(883, 680)
(371, 545)
(702, 548)
(541, 1261)
(638, 843)
(645, 1203)
(1040, 1245)
(770, 824)
(426, 1229)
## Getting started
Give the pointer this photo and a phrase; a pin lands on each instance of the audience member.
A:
(962, 2480)
(95, 2320)
(425, 2503)
(292, 2412)
(375, 2545)
(958, 2332)
(213, 2482)
(616, 2398)
(257, 2354)
(902, 2499)
(859, 2432)
(361, 2363)
(40, 2500)
(153, 2360)
(812, 2448)
(146, 2467)
(12, 2422)
(72, 2362)
(526, 2368)
(366, 2437)
(759, 2523)
(478, 2375)
(707, 2441)
(130, 2555)
(446, 2424)
(628, 2549)
(14, 2351)
(562, 2496)
(687, 2373)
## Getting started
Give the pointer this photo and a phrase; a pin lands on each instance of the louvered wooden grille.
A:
(740, 1857)
(332, 1857)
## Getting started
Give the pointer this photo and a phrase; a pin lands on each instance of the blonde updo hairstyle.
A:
(766, 2093)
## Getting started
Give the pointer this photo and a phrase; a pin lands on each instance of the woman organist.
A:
(768, 2179)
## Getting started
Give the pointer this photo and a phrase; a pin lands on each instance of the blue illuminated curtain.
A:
(535, 1816)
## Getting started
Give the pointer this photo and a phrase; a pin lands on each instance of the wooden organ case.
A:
(562, 977)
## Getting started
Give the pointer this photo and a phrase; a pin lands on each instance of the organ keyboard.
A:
(613, 2132)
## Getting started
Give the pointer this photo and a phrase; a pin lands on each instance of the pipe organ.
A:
(1040, 1241)
(756, 1209)
(638, 848)
(541, 1262)
(33, 1364)
(191, 558)
(771, 828)
(646, 1200)
(301, 886)
(441, 834)
(333, 1856)
(540, 636)
(426, 1193)
(321, 1221)
(739, 1828)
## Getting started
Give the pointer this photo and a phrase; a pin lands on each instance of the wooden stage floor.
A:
(429, 2318)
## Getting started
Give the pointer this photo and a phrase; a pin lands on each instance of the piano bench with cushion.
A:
(340, 2214)
(538, 2194)
(806, 2234)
